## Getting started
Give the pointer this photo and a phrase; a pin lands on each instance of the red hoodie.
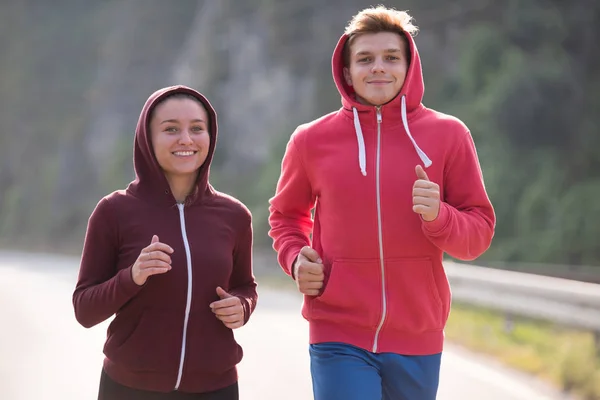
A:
(164, 336)
(385, 287)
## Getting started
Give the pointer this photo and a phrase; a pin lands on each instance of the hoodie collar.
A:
(150, 181)
(400, 110)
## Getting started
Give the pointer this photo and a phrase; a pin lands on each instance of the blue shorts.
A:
(345, 372)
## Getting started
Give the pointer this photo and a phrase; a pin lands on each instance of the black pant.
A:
(111, 390)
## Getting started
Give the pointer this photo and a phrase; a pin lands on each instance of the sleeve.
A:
(290, 208)
(465, 225)
(242, 282)
(101, 290)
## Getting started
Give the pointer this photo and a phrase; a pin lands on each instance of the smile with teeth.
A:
(184, 153)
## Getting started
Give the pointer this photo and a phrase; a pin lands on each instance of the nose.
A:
(377, 65)
(185, 137)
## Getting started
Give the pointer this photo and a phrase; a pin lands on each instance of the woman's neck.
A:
(181, 186)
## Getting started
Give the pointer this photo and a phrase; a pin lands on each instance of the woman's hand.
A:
(153, 259)
(229, 309)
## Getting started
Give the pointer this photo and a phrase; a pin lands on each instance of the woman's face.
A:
(179, 133)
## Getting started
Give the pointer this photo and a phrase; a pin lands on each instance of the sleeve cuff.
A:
(439, 224)
(290, 259)
(246, 307)
(126, 283)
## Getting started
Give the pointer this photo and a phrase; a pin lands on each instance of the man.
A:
(394, 185)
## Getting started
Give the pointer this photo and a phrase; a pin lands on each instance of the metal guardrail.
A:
(570, 303)
(583, 273)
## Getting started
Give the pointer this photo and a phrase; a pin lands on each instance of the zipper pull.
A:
(378, 114)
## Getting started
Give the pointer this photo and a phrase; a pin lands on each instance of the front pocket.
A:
(211, 346)
(352, 294)
(154, 344)
(414, 303)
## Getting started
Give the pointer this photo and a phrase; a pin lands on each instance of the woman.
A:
(171, 258)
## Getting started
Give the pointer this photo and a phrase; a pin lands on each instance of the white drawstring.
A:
(362, 157)
(426, 161)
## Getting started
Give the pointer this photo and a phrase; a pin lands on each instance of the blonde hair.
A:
(379, 19)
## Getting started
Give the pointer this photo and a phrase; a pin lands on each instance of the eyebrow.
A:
(392, 50)
(176, 121)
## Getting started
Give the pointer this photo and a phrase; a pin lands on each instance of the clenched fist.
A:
(426, 196)
(308, 271)
(229, 309)
(153, 259)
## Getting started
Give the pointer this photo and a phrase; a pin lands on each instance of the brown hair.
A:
(175, 95)
(375, 20)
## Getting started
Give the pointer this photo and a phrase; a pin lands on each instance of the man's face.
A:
(377, 67)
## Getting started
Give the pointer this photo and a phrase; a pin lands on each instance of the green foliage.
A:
(534, 128)
(567, 359)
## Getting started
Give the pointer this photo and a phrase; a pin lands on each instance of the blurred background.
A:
(524, 75)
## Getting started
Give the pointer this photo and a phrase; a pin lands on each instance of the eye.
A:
(171, 129)
(393, 58)
(197, 129)
(364, 59)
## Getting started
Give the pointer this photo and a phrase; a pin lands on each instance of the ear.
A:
(347, 76)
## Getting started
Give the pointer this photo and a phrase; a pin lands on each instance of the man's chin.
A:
(376, 101)
(380, 101)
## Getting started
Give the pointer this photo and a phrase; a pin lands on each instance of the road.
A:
(46, 355)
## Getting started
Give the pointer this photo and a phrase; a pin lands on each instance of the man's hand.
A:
(308, 271)
(229, 309)
(426, 196)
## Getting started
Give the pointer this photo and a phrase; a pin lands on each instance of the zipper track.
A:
(380, 232)
(188, 304)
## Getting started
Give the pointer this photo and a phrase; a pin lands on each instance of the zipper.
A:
(380, 230)
(188, 304)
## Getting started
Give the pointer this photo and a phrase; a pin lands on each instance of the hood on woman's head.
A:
(147, 169)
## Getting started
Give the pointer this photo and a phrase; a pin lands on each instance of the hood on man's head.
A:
(407, 101)
(413, 86)
(147, 170)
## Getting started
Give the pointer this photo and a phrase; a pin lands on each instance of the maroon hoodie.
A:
(164, 336)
